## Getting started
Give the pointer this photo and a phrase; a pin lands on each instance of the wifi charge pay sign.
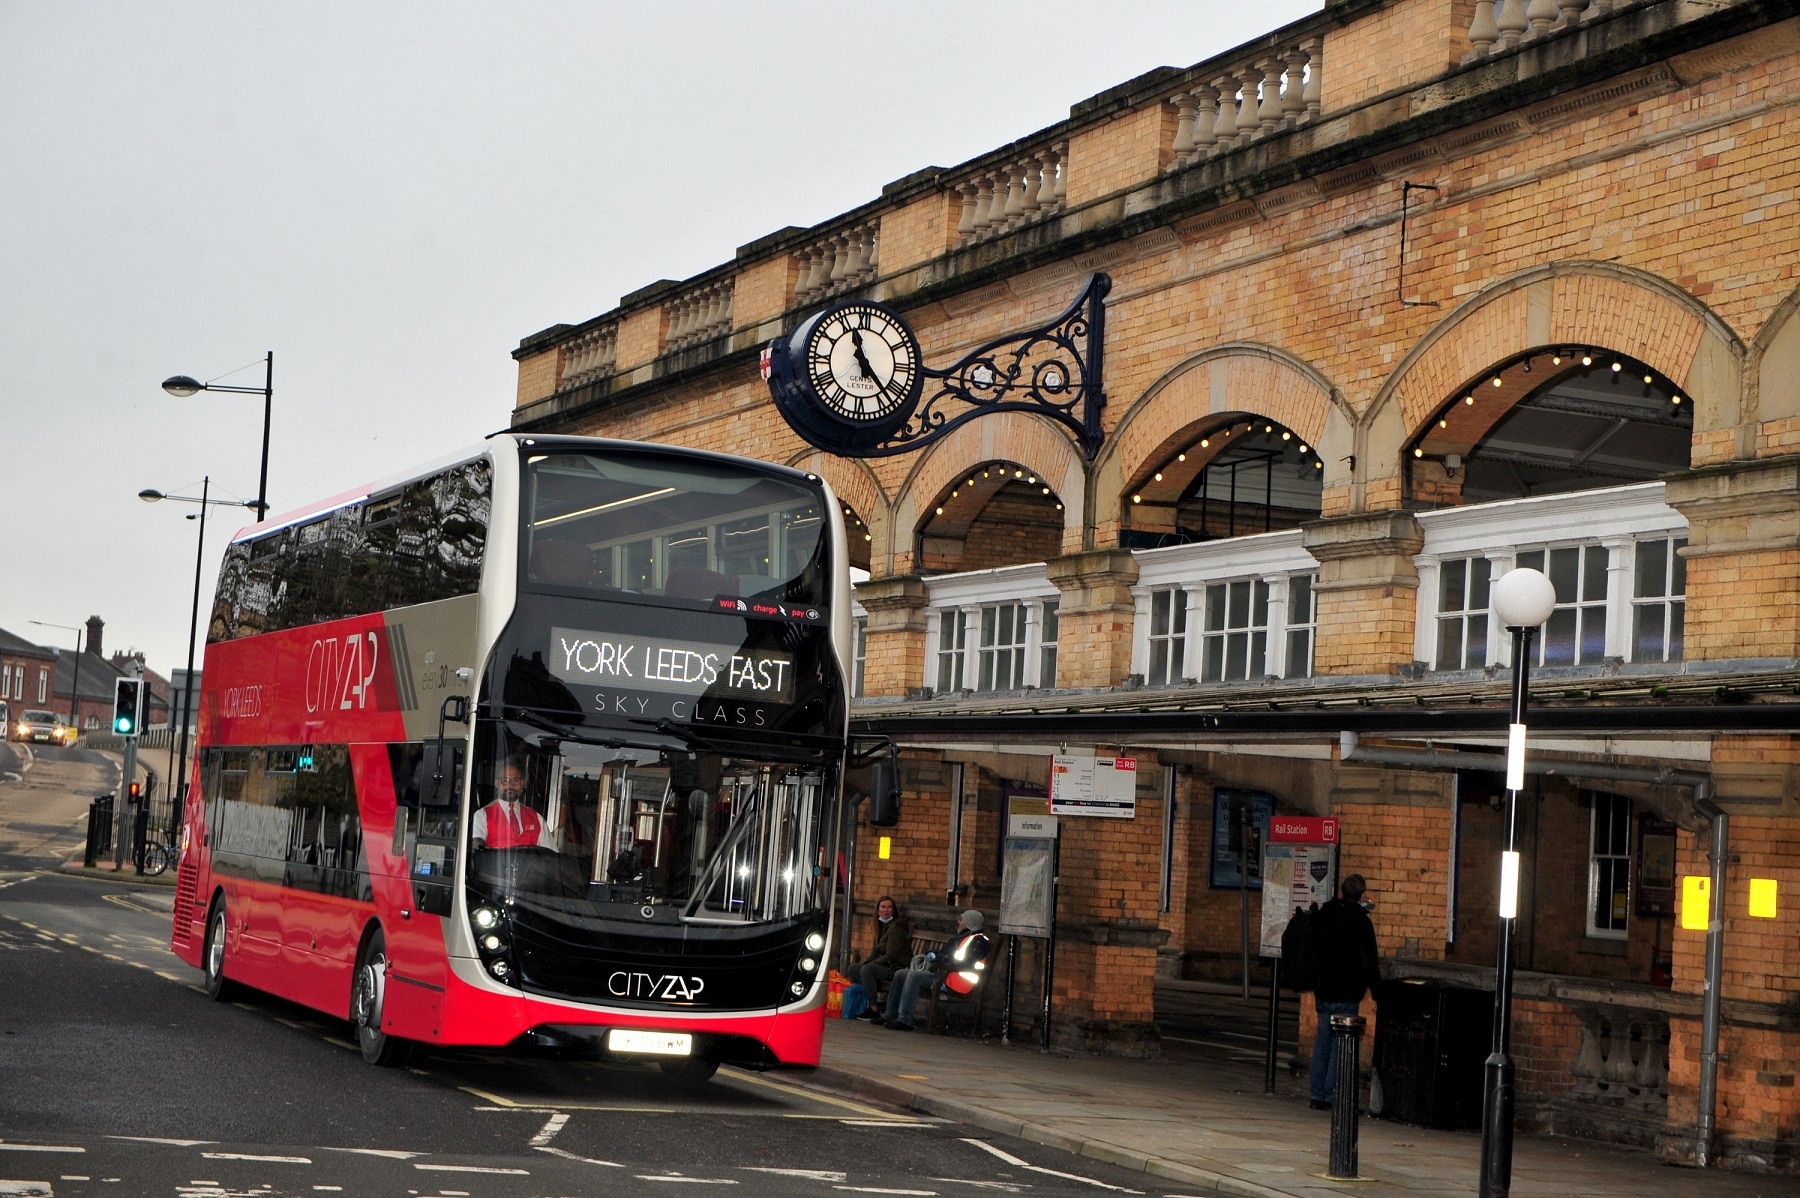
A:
(680, 667)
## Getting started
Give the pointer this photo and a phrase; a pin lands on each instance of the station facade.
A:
(1404, 294)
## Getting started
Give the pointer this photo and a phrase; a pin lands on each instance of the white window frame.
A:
(951, 651)
(1612, 517)
(1617, 855)
(964, 597)
(1271, 559)
(1048, 614)
(1172, 640)
(859, 655)
(1668, 601)
(1000, 664)
(1308, 628)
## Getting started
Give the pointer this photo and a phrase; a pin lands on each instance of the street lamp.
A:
(179, 758)
(181, 386)
(75, 685)
(1523, 599)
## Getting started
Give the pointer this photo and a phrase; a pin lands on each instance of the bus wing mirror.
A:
(884, 791)
(440, 779)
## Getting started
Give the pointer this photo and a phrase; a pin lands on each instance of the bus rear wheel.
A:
(218, 987)
(368, 993)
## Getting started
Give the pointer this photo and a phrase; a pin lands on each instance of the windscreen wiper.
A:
(760, 742)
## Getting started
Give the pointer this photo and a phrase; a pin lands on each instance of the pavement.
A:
(1208, 1125)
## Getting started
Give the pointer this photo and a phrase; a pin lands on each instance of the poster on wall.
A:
(1237, 815)
(1027, 894)
(1655, 866)
(1293, 876)
(1102, 786)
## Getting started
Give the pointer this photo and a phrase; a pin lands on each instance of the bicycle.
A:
(159, 854)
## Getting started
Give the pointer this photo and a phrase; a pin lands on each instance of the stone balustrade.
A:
(840, 261)
(591, 355)
(699, 315)
(1500, 25)
(1276, 91)
(999, 198)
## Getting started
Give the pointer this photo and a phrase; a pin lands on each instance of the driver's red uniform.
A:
(504, 825)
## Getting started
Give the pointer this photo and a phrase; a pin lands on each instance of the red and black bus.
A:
(541, 743)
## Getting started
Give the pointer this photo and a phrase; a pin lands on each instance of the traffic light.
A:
(128, 705)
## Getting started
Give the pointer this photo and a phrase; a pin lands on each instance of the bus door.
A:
(427, 789)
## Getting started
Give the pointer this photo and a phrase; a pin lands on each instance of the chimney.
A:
(96, 627)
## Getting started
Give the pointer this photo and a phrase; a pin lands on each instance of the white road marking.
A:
(331, 1189)
(1010, 1159)
(699, 1181)
(585, 1160)
(807, 1174)
(26, 1189)
(160, 1140)
(1010, 1187)
(554, 1124)
(880, 1190)
(392, 1154)
(884, 1123)
(469, 1169)
(5, 1147)
(272, 1160)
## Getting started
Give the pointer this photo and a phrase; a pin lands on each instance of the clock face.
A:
(862, 362)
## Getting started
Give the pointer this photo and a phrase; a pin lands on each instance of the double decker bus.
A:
(541, 743)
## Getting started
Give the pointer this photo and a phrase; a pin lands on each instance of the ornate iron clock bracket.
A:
(1053, 370)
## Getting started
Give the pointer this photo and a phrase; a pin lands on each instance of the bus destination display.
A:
(691, 668)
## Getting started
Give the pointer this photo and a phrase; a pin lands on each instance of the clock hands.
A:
(862, 359)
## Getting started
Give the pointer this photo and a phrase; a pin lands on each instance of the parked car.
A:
(43, 727)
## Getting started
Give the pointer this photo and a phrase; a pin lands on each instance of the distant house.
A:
(95, 675)
(27, 672)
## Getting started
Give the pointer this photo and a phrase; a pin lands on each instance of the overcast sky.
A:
(389, 196)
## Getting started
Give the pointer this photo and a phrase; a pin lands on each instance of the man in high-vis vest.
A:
(508, 822)
(958, 967)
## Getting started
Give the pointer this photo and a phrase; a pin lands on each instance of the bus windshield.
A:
(677, 834)
(640, 525)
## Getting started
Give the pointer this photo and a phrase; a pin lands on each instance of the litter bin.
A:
(1431, 1043)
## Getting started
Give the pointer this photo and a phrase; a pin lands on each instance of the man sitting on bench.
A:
(957, 967)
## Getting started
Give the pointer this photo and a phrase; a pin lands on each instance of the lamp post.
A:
(181, 386)
(179, 759)
(1523, 600)
(75, 684)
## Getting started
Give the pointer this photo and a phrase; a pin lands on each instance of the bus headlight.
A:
(797, 989)
(807, 964)
(499, 969)
(491, 942)
(815, 942)
(486, 917)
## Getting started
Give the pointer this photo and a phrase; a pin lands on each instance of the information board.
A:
(1294, 875)
(1027, 894)
(1102, 786)
(1229, 825)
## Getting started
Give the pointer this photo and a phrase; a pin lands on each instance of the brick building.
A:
(26, 672)
(1403, 295)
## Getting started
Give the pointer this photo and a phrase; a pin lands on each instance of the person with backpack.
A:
(1345, 965)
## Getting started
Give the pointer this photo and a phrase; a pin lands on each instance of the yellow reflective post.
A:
(1762, 898)
(887, 844)
(1696, 902)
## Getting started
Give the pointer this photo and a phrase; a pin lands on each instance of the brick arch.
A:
(1030, 441)
(1205, 389)
(1600, 304)
(857, 486)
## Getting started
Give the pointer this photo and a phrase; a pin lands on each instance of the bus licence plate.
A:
(661, 1044)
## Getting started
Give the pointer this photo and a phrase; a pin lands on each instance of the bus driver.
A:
(508, 822)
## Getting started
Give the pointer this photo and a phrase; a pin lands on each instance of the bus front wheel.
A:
(218, 987)
(367, 995)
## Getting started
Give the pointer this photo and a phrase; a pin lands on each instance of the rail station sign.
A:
(1095, 786)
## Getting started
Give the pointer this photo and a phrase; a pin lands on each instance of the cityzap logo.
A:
(665, 987)
(340, 672)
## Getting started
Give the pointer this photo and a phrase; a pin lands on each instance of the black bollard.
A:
(1346, 1033)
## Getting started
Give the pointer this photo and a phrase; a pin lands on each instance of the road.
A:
(119, 1077)
(44, 796)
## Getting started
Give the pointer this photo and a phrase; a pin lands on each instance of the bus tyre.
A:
(218, 987)
(692, 1071)
(367, 994)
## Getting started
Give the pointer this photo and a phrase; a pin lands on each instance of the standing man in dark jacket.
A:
(1348, 967)
(892, 951)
